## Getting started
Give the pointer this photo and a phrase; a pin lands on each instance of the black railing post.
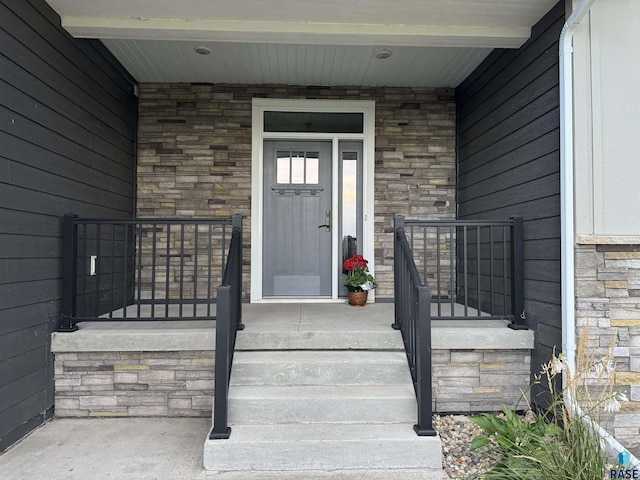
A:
(517, 274)
(236, 226)
(398, 223)
(221, 430)
(69, 273)
(423, 363)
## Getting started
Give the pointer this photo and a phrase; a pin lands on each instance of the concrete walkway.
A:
(140, 449)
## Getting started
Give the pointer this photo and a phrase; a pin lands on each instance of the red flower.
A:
(355, 262)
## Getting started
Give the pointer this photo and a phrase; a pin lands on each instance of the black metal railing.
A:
(475, 269)
(228, 322)
(143, 269)
(413, 319)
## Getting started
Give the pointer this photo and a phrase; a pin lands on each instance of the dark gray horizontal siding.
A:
(508, 163)
(22, 318)
(22, 364)
(24, 128)
(67, 144)
(29, 269)
(28, 223)
(27, 200)
(30, 246)
(82, 62)
(113, 177)
(496, 77)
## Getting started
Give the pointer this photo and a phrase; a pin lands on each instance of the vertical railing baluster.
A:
(222, 254)
(491, 271)
(411, 236)
(424, 254)
(438, 272)
(505, 274)
(478, 259)
(139, 262)
(181, 270)
(113, 271)
(209, 266)
(154, 239)
(453, 276)
(125, 271)
(195, 269)
(167, 277)
(466, 270)
(97, 270)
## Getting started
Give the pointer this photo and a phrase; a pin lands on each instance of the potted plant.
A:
(359, 281)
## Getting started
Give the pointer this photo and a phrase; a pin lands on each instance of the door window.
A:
(297, 167)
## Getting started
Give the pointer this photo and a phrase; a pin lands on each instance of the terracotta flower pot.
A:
(358, 299)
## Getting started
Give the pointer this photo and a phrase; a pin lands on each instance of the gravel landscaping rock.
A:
(458, 460)
(456, 433)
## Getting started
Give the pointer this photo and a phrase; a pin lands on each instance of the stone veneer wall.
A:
(466, 381)
(194, 154)
(180, 383)
(608, 302)
(134, 384)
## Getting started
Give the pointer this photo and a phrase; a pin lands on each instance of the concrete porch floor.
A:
(292, 324)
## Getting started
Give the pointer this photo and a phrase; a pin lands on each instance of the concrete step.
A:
(266, 404)
(314, 339)
(323, 394)
(323, 447)
(312, 367)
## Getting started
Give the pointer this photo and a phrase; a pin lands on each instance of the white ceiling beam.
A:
(310, 33)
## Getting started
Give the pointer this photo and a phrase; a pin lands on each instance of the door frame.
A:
(258, 136)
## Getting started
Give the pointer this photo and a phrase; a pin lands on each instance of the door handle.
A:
(327, 221)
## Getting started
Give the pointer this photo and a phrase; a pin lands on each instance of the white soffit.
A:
(253, 63)
(265, 41)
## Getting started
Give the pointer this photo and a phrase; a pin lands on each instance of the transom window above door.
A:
(297, 168)
(313, 122)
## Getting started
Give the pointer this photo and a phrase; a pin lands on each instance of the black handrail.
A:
(413, 319)
(475, 268)
(141, 268)
(228, 322)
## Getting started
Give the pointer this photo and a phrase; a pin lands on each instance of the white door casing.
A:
(367, 137)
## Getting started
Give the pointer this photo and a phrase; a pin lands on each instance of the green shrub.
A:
(561, 442)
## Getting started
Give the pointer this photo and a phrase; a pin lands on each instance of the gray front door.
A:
(297, 219)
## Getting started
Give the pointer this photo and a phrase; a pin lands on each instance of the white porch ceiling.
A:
(305, 42)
